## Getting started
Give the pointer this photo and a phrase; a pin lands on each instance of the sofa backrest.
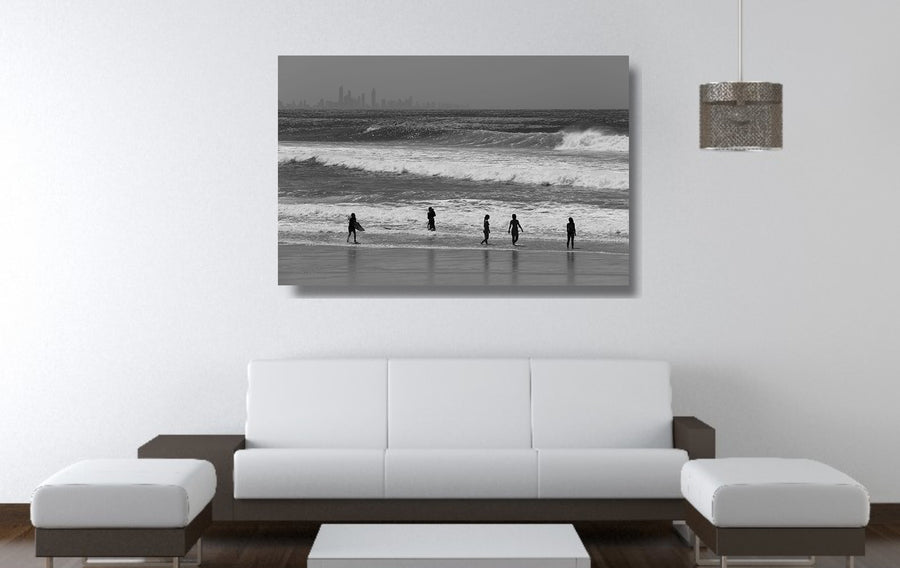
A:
(596, 403)
(317, 403)
(459, 403)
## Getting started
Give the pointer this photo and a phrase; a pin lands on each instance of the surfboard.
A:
(359, 227)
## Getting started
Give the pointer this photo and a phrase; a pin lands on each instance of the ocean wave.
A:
(471, 164)
(593, 140)
(587, 140)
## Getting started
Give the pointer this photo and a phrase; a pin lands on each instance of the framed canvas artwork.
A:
(453, 172)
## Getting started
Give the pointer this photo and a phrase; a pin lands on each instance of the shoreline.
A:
(327, 266)
(529, 247)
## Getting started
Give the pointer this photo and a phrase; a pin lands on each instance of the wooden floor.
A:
(639, 545)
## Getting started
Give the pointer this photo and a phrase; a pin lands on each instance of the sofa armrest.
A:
(694, 436)
(216, 449)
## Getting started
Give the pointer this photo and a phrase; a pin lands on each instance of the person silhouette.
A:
(431, 216)
(487, 229)
(514, 228)
(570, 233)
(351, 228)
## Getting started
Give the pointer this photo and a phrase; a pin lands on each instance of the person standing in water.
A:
(431, 216)
(351, 228)
(570, 233)
(487, 229)
(514, 228)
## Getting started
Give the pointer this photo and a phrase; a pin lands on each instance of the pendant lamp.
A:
(740, 115)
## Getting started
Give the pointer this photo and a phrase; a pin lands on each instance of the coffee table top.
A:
(444, 545)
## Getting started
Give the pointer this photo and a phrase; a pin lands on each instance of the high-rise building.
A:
(341, 96)
(373, 99)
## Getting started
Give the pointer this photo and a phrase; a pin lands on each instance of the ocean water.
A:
(389, 166)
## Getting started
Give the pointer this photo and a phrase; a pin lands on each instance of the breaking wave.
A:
(588, 140)
(473, 164)
(594, 141)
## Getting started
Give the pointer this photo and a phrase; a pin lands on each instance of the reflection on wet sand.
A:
(304, 265)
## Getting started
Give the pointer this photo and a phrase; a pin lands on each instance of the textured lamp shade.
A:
(740, 116)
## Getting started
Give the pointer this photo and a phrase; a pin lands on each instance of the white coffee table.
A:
(447, 546)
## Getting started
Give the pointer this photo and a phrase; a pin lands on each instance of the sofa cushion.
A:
(774, 492)
(459, 403)
(313, 474)
(611, 473)
(595, 403)
(124, 493)
(310, 403)
(459, 474)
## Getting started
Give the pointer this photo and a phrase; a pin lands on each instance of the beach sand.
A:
(325, 266)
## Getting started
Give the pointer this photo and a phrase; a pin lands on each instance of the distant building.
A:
(346, 100)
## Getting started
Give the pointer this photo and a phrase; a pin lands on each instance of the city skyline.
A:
(347, 100)
(474, 82)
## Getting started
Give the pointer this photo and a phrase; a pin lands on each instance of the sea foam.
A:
(458, 218)
(592, 140)
(474, 164)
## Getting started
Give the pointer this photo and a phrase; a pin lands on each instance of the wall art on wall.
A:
(453, 172)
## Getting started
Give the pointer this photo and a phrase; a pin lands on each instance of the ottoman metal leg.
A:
(850, 561)
(176, 562)
(48, 562)
(723, 561)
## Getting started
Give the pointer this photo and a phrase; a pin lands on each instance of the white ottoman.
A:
(774, 506)
(123, 507)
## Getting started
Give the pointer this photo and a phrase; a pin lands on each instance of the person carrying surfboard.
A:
(487, 229)
(431, 216)
(352, 226)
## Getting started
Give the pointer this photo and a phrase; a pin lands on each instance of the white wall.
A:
(138, 229)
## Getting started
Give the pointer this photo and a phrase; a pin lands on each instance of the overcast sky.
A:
(516, 82)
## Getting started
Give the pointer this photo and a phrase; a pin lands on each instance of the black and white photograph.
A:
(452, 171)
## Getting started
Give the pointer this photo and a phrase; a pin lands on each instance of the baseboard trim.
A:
(884, 513)
(20, 514)
(15, 514)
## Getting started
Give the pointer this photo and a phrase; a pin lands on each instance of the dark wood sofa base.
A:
(458, 510)
(124, 542)
(773, 541)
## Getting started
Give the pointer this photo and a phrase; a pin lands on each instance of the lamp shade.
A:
(740, 116)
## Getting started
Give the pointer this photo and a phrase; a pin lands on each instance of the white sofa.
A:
(338, 439)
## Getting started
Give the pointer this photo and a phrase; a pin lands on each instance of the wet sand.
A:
(323, 267)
